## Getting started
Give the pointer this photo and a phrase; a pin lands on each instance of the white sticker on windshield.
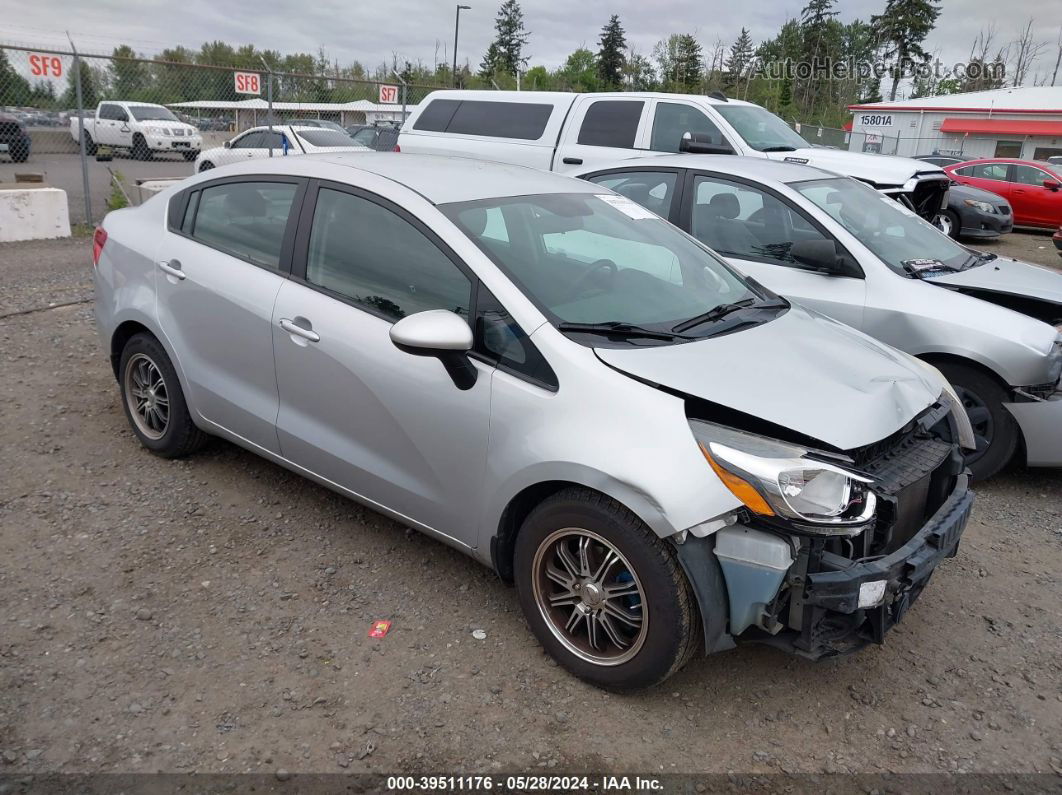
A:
(629, 208)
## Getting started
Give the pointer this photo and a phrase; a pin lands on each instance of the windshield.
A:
(901, 239)
(602, 259)
(760, 128)
(324, 137)
(151, 113)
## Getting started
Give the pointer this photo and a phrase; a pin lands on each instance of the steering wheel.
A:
(592, 273)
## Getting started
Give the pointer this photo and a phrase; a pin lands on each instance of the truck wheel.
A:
(153, 401)
(603, 594)
(995, 430)
(90, 146)
(140, 148)
(206, 165)
(20, 151)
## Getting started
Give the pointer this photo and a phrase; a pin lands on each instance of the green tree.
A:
(538, 78)
(680, 62)
(579, 72)
(739, 61)
(510, 40)
(491, 65)
(129, 77)
(638, 72)
(610, 60)
(900, 29)
(89, 87)
(820, 47)
(14, 88)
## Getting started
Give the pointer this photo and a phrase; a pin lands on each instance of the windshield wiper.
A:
(616, 328)
(778, 149)
(717, 313)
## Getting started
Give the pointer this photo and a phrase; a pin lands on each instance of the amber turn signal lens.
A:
(740, 488)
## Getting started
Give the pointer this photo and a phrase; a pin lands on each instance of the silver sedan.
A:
(665, 457)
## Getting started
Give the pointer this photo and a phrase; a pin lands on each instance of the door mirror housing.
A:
(1052, 184)
(702, 144)
(227, 144)
(442, 334)
(820, 255)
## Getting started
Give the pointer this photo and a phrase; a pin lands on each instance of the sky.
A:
(423, 29)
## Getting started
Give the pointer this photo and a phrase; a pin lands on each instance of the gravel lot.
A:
(211, 614)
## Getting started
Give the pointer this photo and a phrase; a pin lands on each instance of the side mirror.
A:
(820, 255)
(702, 144)
(1051, 184)
(442, 334)
(227, 144)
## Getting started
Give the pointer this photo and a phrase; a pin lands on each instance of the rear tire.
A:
(996, 431)
(206, 165)
(153, 400)
(578, 604)
(90, 145)
(20, 152)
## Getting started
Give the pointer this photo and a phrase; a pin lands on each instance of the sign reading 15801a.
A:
(876, 120)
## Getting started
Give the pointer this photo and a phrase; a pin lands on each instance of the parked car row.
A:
(277, 141)
(684, 402)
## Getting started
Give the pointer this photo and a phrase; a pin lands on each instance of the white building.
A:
(1023, 122)
(254, 112)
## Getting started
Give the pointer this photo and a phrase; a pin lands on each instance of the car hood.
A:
(1008, 276)
(801, 370)
(958, 191)
(881, 170)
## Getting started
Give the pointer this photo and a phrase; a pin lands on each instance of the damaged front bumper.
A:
(1040, 420)
(832, 610)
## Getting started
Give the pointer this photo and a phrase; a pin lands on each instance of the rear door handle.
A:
(572, 161)
(294, 328)
(173, 268)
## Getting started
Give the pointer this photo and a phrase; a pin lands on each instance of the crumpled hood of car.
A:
(1010, 276)
(802, 371)
(879, 169)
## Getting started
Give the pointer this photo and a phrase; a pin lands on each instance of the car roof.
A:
(438, 178)
(569, 96)
(759, 169)
(1015, 160)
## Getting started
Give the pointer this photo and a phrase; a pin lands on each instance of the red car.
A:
(1033, 187)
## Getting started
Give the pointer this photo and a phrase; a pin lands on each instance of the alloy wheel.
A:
(590, 597)
(146, 396)
(981, 420)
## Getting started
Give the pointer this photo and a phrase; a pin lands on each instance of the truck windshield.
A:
(151, 113)
(602, 260)
(898, 237)
(760, 128)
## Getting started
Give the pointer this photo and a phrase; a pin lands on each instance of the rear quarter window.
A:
(611, 123)
(522, 120)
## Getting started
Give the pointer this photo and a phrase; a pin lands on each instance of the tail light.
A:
(99, 238)
(397, 148)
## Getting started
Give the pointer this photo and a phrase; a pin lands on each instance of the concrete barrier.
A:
(33, 213)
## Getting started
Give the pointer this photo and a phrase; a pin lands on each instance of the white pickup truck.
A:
(574, 132)
(142, 128)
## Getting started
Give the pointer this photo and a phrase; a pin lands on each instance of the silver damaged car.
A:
(665, 457)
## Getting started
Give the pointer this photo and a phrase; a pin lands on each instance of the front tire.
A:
(995, 430)
(153, 400)
(948, 223)
(206, 165)
(140, 148)
(603, 594)
(90, 145)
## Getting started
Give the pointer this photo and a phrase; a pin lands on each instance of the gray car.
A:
(992, 325)
(665, 457)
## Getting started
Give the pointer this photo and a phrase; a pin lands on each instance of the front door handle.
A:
(292, 327)
(173, 268)
(572, 161)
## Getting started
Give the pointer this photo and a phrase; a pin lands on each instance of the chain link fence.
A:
(106, 129)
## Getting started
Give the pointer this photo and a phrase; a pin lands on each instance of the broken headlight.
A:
(778, 479)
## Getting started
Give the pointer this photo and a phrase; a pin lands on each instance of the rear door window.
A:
(245, 219)
(522, 120)
(611, 123)
(654, 190)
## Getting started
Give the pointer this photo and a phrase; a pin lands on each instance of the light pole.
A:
(457, 26)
